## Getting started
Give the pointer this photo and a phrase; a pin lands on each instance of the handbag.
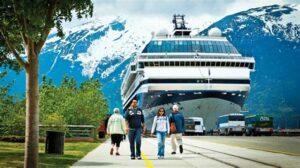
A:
(172, 126)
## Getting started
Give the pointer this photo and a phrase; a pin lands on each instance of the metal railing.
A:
(71, 131)
(195, 57)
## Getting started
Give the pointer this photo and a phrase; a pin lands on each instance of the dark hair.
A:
(161, 108)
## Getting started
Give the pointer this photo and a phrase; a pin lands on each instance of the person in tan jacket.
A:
(116, 128)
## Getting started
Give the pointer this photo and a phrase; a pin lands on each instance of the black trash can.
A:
(101, 134)
(55, 142)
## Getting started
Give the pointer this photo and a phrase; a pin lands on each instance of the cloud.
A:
(158, 13)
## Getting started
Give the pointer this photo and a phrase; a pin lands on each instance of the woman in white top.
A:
(161, 127)
(116, 128)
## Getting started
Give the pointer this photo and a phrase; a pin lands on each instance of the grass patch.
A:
(12, 154)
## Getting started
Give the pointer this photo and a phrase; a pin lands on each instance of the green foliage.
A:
(12, 113)
(25, 24)
(66, 104)
(70, 105)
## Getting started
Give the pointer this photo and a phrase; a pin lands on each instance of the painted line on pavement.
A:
(147, 161)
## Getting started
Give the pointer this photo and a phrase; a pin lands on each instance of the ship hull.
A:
(206, 104)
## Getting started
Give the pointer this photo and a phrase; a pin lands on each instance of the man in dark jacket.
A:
(134, 119)
(177, 118)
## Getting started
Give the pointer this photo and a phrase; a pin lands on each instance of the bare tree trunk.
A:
(32, 115)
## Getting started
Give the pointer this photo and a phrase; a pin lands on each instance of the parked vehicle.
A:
(258, 125)
(194, 126)
(231, 124)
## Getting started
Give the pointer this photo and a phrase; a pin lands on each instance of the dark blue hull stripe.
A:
(189, 81)
(157, 98)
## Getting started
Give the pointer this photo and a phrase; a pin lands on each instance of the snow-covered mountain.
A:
(272, 35)
(98, 49)
(102, 49)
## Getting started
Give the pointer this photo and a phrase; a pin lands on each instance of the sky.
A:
(157, 14)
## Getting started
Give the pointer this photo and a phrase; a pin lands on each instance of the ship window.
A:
(188, 63)
(190, 46)
(192, 63)
(227, 49)
(171, 63)
(141, 65)
(202, 48)
(176, 63)
(222, 63)
(167, 64)
(151, 64)
(214, 48)
(251, 66)
(146, 64)
(220, 49)
(227, 64)
(197, 63)
(223, 49)
(161, 63)
(202, 63)
(156, 64)
(213, 64)
(247, 64)
(132, 67)
(218, 63)
(181, 63)
(232, 64)
(238, 64)
(242, 64)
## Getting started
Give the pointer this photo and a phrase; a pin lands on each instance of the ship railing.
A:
(168, 36)
(132, 87)
(129, 70)
(140, 57)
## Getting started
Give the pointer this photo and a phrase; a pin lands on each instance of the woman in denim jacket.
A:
(161, 127)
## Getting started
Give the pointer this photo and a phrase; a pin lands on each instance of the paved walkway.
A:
(197, 153)
(100, 157)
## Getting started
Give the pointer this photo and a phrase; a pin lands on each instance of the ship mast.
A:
(179, 26)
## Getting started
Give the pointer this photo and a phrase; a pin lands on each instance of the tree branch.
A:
(24, 30)
(47, 29)
(13, 50)
(22, 21)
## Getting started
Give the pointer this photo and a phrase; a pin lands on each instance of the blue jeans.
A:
(135, 134)
(161, 137)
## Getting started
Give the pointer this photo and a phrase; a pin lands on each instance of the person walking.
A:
(161, 127)
(134, 127)
(116, 128)
(176, 121)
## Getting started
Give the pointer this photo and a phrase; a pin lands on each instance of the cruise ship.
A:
(205, 75)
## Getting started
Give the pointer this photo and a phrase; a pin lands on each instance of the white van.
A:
(194, 126)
